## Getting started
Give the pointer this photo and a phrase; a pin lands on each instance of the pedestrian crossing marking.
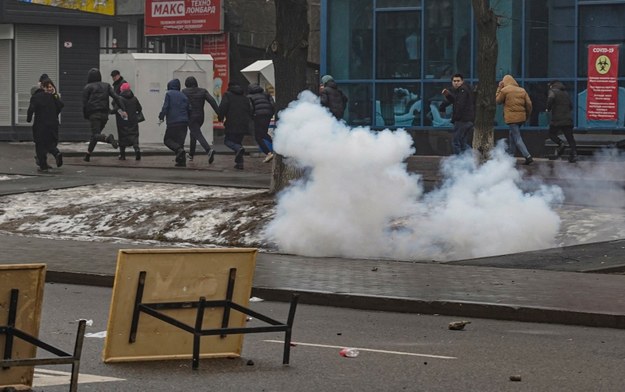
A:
(48, 378)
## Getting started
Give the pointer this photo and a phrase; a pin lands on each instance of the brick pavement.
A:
(516, 287)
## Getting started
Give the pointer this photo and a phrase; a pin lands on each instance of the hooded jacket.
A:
(262, 103)
(334, 99)
(176, 106)
(517, 105)
(560, 106)
(46, 108)
(236, 108)
(95, 95)
(133, 107)
(197, 96)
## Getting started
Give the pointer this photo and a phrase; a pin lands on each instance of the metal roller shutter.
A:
(5, 80)
(36, 52)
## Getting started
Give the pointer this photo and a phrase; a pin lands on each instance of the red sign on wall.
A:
(602, 98)
(177, 17)
(217, 46)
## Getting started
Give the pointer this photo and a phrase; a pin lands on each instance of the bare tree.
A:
(487, 49)
(290, 55)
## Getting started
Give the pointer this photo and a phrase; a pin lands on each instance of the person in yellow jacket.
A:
(517, 108)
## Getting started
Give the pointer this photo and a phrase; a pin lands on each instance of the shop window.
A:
(398, 44)
(600, 24)
(350, 39)
(509, 37)
(549, 39)
(398, 105)
(447, 38)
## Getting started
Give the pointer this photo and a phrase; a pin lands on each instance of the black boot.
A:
(137, 155)
(59, 159)
(181, 158)
(87, 157)
(122, 153)
(111, 139)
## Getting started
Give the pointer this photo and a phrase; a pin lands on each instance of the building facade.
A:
(393, 57)
(61, 42)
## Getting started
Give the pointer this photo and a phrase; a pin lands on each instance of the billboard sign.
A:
(104, 7)
(602, 99)
(183, 17)
(217, 46)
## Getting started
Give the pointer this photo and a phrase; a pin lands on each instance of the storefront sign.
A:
(177, 17)
(217, 46)
(105, 7)
(602, 93)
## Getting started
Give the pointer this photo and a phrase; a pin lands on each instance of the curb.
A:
(396, 304)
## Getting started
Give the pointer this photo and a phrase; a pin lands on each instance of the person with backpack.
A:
(263, 108)
(463, 115)
(332, 97)
(197, 96)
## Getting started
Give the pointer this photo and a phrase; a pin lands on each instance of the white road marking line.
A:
(365, 349)
(48, 378)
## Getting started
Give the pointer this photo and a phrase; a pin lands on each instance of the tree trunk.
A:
(290, 55)
(483, 136)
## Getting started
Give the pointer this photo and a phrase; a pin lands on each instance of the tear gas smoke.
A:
(358, 200)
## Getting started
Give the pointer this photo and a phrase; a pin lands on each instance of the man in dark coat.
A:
(176, 110)
(128, 130)
(263, 108)
(236, 109)
(118, 80)
(332, 97)
(95, 108)
(463, 116)
(561, 108)
(197, 96)
(45, 105)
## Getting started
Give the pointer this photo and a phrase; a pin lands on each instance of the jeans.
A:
(515, 141)
(234, 142)
(195, 134)
(175, 135)
(461, 133)
(261, 133)
(97, 122)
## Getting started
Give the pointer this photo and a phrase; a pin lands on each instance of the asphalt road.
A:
(398, 352)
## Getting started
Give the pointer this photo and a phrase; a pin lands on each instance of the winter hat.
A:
(326, 78)
(43, 77)
(125, 86)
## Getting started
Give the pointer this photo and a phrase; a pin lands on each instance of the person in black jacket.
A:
(332, 97)
(263, 108)
(118, 80)
(128, 130)
(236, 109)
(463, 116)
(561, 108)
(45, 105)
(95, 108)
(197, 96)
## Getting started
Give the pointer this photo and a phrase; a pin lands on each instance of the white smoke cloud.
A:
(358, 200)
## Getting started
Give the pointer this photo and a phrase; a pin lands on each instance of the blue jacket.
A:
(176, 106)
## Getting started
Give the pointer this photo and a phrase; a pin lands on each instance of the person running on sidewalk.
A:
(176, 110)
(197, 96)
(561, 108)
(128, 130)
(263, 108)
(236, 108)
(332, 97)
(517, 108)
(95, 108)
(463, 116)
(45, 105)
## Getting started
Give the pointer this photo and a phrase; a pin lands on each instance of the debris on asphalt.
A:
(100, 335)
(256, 299)
(458, 325)
(516, 377)
(348, 352)
(250, 362)
(248, 318)
(374, 269)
